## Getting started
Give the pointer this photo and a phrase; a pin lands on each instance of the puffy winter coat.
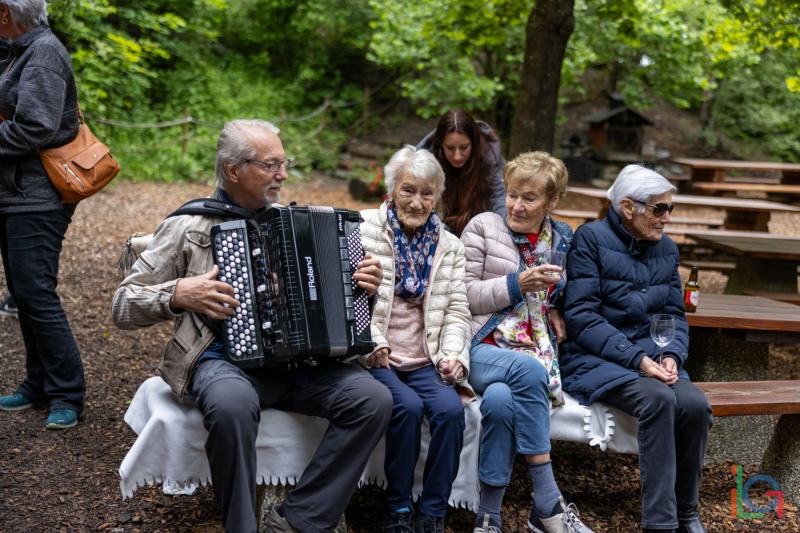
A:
(445, 308)
(493, 267)
(614, 284)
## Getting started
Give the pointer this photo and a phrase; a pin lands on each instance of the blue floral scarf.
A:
(413, 260)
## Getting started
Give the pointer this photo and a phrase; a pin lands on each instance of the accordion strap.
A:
(211, 207)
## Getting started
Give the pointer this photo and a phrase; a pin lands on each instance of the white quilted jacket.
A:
(445, 307)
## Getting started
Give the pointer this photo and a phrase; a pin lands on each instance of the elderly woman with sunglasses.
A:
(620, 271)
(420, 324)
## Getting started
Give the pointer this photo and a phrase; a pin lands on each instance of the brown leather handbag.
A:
(81, 167)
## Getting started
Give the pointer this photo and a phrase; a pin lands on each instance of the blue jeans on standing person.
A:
(31, 243)
(674, 421)
(416, 395)
(515, 409)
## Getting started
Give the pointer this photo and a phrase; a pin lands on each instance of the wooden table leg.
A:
(753, 274)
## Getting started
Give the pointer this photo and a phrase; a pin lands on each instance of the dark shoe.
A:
(399, 522)
(277, 523)
(689, 521)
(646, 530)
(61, 419)
(14, 402)
(8, 307)
(430, 524)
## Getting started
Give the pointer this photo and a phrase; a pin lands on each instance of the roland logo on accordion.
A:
(291, 271)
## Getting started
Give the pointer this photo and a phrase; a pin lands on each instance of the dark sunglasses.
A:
(658, 209)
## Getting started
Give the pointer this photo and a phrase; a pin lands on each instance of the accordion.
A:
(291, 271)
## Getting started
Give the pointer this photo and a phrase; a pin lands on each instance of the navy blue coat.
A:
(614, 285)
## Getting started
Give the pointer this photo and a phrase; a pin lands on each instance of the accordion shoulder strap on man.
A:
(210, 207)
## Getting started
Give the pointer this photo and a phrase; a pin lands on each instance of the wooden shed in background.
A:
(617, 129)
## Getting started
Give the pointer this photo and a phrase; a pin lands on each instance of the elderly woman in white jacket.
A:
(511, 288)
(421, 325)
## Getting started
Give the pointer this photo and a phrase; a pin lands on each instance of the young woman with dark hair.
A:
(469, 152)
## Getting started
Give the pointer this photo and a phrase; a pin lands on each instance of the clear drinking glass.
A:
(662, 331)
(557, 258)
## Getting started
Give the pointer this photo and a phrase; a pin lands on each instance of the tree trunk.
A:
(549, 28)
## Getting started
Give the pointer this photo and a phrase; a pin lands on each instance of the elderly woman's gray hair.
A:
(26, 14)
(234, 144)
(418, 162)
(637, 183)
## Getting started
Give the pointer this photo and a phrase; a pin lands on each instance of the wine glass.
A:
(662, 331)
(557, 258)
(450, 355)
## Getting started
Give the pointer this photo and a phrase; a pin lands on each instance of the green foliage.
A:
(451, 54)
(751, 107)
(151, 61)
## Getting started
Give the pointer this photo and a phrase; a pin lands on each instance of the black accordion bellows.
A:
(291, 270)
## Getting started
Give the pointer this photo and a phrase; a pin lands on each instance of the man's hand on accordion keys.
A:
(369, 275)
(204, 294)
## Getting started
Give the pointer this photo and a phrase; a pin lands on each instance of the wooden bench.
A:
(589, 216)
(769, 188)
(744, 398)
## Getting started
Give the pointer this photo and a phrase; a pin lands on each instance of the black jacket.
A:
(39, 102)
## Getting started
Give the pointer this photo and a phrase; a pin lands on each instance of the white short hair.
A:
(420, 163)
(637, 183)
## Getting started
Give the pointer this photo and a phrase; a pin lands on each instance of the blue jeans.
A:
(31, 245)
(515, 409)
(416, 395)
(674, 421)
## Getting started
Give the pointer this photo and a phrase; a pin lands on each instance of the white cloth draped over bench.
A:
(171, 438)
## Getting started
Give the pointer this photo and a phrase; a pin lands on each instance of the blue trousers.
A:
(515, 410)
(674, 421)
(31, 245)
(231, 400)
(415, 394)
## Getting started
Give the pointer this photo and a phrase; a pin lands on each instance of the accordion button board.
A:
(291, 271)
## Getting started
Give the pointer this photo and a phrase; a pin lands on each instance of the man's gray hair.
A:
(418, 162)
(26, 14)
(234, 144)
(637, 183)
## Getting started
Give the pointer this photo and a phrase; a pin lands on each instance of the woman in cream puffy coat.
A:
(421, 325)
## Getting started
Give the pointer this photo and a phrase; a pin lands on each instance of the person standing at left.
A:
(39, 106)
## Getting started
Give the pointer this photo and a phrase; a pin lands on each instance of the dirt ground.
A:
(68, 481)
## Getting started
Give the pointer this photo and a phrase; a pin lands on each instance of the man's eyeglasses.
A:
(659, 209)
(271, 166)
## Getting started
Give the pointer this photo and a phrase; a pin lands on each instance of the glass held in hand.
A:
(451, 356)
(556, 258)
(662, 331)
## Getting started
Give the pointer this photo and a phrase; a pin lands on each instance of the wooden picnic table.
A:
(751, 318)
(740, 213)
(729, 340)
(765, 263)
(716, 170)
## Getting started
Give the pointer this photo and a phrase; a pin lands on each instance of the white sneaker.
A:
(567, 521)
